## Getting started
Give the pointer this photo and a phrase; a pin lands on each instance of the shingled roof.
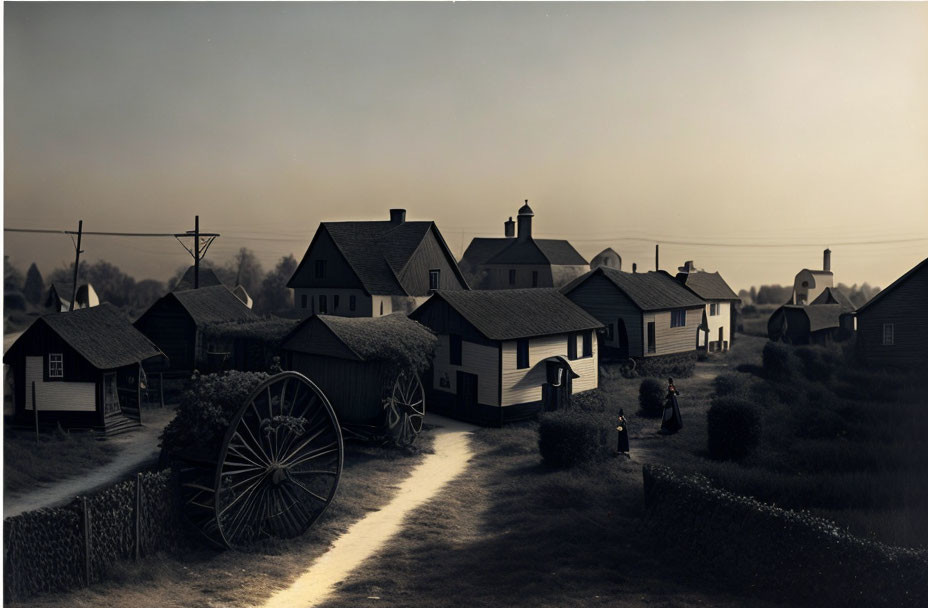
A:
(832, 295)
(101, 334)
(821, 316)
(708, 285)
(555, 252)
(212, 305)
(647, 290)
(207, 278)
(509, 314)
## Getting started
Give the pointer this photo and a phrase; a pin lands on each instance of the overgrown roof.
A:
(708, 285)
(101, 334)
(212, 305)
(207, 278)
(509, 314)
(271, 330)
(918, 267)
(647, 290)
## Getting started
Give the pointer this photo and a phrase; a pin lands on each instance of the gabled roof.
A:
(378, 251)
(821, 316)
(389, 337)
(482, 249)
(918, 267)
(101, 334)
(509, 314)
(818, 272)
(212, 305)
(708, 285)
(647, 290)
(832, 295)
(207, 278)
(554, 252)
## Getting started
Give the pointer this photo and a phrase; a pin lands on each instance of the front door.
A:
(110, 395)
(652, 338)
(467, 393)
(623, 338)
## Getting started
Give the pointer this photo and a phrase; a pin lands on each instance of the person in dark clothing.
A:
(672, 421)
(622, 428)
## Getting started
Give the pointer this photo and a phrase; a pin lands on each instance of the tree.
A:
(12, 277)
(275, 295)
(246, 270)
(34, 287)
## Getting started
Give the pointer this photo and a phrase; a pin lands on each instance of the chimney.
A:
(634, 267)
(657, 257)
(525, 221)
(510, 227)
(687, 267)
(826, 262)
(397, 216)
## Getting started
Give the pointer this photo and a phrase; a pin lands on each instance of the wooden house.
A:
(81, 369)
(506, 355)
(371, 269)
(175, 323)
(646, 314)
(608, 258)
(892, 328)
(58, 298)
(720, 306)
(518, 260)
(828, 318)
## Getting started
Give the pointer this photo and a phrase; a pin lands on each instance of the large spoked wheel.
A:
(280, 463)
(405, 409)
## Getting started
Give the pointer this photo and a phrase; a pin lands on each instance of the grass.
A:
(58, 455)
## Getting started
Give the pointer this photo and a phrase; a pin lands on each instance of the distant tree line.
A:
(780, 294)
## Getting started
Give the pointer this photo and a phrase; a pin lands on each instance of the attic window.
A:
(434, 279)
(320, 269)
(55, 365)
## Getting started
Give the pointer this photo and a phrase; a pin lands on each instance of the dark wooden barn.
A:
(81, 368)
(175, 323)
(355, 361)
(892, 328)
(247, 346)
(829, 318)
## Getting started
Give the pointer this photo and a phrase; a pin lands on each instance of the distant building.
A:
(374, 268)
(58, 298)
(809, 284)
(720, 300)
(646, 314)
(506, 355)
(892, 328)
(608, 258)
(85, 368)
(519, 260)
(207, 278)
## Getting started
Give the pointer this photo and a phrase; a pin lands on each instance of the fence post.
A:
(138, 515)
(35, 410)
(88, 532)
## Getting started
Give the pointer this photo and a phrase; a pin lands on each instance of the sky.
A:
(745, 137)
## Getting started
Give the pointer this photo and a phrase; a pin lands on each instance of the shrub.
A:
(730, 384)
(679, 365)
(651, 398)
(205, 412)
(778, 363)
(589, 401)
(734, 428)
(566, 439)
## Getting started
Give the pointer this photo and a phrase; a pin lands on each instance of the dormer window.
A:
(434, 279)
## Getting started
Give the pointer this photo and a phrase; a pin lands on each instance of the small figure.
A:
(672, 421)
(622, 428)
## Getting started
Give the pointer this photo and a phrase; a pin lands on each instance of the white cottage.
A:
(720, 301)
(506, 355)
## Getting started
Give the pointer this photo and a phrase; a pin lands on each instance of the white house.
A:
(720, 300)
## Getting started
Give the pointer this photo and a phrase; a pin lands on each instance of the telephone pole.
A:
(77, 263)
(196, 255)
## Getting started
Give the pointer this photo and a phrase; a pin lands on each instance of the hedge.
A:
(793, 556)
(651, 397)
(569, 438)
(678, 365)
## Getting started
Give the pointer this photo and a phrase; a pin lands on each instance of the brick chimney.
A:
(510, 227)
(826, 261)
(397, 216)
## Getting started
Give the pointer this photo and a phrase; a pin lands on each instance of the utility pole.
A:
(198, 251)
(77, 262)
(657, 257)
(196, 254)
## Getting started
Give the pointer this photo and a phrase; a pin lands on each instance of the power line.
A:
(86, 232)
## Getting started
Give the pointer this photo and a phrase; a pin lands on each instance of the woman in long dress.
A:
(672, 421)
(622, 428)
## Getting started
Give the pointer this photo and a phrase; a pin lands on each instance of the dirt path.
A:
(137, 450)
(452, 451)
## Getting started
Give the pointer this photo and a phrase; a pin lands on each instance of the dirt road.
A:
(367, 536)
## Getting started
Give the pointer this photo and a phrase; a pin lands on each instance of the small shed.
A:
(175, 323)
(85, 367)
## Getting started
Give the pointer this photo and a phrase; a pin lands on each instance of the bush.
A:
(734, 428)
(566, 439)
(730, 384)
(205, 412)
(593, 401)
(651, 398)
(778, 363)
(679, 365)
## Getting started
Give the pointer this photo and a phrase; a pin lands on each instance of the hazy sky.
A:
(734, 124)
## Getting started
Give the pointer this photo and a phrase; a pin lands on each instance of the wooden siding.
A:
(481, 360)
(525, 385)
(601, 298)
(57, 396)
(363, 305)
(906, 307)
(172, 330)
(430, 255)
(669, 340)
(354, 389)
(338, 273)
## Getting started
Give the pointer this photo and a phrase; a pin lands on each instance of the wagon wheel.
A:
(279, 464)
(627, 368)
(405, 409)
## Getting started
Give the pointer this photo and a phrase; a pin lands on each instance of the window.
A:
(323, 305)
(335, 302)
(455, 352)
(434, 279)
(571, 346)
(381, 308)
(888, 334)
(303, 301)
(652, 338)
(610, 332)
(588, 344)
(512, 277)
(55, 365)
(352, 303)
(534, 278)
(714, 309)
(677, 318)
(320, 269)
(522, 353)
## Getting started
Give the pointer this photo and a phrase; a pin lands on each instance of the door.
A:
(652, 347)
(467, 393)
(110, 395)
(623, 338)
(557, 396)
(721, 338)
